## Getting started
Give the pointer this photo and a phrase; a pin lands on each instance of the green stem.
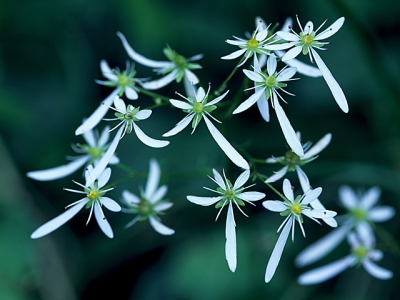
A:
(271, 187)
(153, 95)
(222, 87)
(389, 240)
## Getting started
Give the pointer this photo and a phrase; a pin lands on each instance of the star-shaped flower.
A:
(362, 254)
(266, 87)
(362, 213)
(198, 109)
(229, 194)
(91, 153)
(94, 200)
(177, 68)
(150, 204)
(306, 42)
(293, 209)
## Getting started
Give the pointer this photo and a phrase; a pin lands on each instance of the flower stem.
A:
(222, 87)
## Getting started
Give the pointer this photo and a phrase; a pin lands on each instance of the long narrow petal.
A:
(158, 194)
(292, 53)
(277, 252)
(254, 76)
(286, 74)
(322, 247)
(162, 206)
(348, 197)
(180, 126)
(381, 213)
(58, 172)
(102, 221)
(318, 214)
(331, 30)
(287, 190)
(105, 135)
(230, 233)
(153, 178)
(319, 146)
(370, 198)
(161, 82)
(58, 221)
(160, 227)
(263, 107)
(119, 104)
(110, 204)
(366, 233)
(275, 205)
(311, 195)
(316, 204)
(143, 114)
(145, 139)
(219, 180)
(89, 138)
(288, 36)
(336, 90)
(191, 77)
(249, 101)
(131, 93)
(129, 198)
(107, 72)
(216, 100)
(181, 104)
(251, 196)
(376, 271)
(301, 67)
(279, 46)
(271, 65)
(98, 114)
(200, 94)
(234, 55)
(324, 273)
(104, 178)
(232, 154)
(243, 177)
(204, 201)
(277, 175)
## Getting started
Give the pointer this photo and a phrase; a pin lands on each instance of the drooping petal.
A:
(225, 146)
(277, 175)
(59, 172)
(348, 197)
(98, 114)
(160, 227)
(131, 93)
(319, 146)
(153, 178)
(381, 213)
(287, 190)
(311, 195)
(251, 196)
(277, 252)
(143, 114)
(275, 205)
(292, 53)
(249, 101)
(322, 247)
(331, 30)
(191, 77)
(370, 198)
(145, 139)
(161, 82)
(110, 204)
(158, 194)
(58, 221)
(180, 126)
(254, 76)
(230, 233)
(102, 221)
(263, 106)
(107, 72)
(243, 177)
(181, 104)
(336, 90)
(376, 271)
(234, 55)
(301, 67)
(204, 201)
(324, 273)
(129, 198)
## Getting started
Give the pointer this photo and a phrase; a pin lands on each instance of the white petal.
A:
(381, 213)
(278, 175)
(216, 100)
(200, 94)
(140, 58)
(160, 227)
(153, 178)
(104, 178)
(251, 196)
(292, 53)
(288, 23)
(58, 221)
(348, 197)
(237, 42)
(275, 205)
(262, 34)
(234, 55)
(145, 139)
(219, 180)
(271, 65)
(376, 270)
(311, 195)
(98, 114)
(110, 204)
(331, 30)
(249, 101)
(287, 190)
(88, 174)
(179, 126)
(204, 201)
(279, 46)
(324, 273)
(309, 27)
(375, 254)
(263, 107)
(181, 104)
(230, 233)
(318, 214)
(304, 182)
(89, 138)
(286, 74)
(143, 114)
(189, 88)
(102, 221)
(336, 90)
(277, 252)
(287, 128)
(161, 82)
(105, 135)
(129, 198)
(107, 72)
(243, 177)
(163, 206)
(274, 160)
(119, 104)
(322, 247)
(191, 77)
(366, 234)
(301, 67)
(319, 146)
(58, 172)
(288, 36)
(131, 93)
(316, 204)
(254, 76)
(370, 198)
(232, 154)
(159, 194)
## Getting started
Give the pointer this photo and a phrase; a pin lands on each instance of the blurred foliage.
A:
(49, 57)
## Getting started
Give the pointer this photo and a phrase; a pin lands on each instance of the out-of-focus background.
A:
(49, 58)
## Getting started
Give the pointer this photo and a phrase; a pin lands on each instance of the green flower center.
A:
(180, 61)
(95, 152)
(229, 194)
(359, 214)
(198, 107)
(307, 39)
(291, 158)
(123, 80)
(93, 195)
(270, 81)
(129, 116)
(360, 252)
(252, 43)
(296, 209)
(144, 207)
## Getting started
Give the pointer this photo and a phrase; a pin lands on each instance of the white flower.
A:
(251, 46)
(362, 212)
(150, 203)
(94, 200)
(293, 209)
(198, 109)
(91, 153)
(266, 87)
(306, 42)
(229, 193)
(177, 68)
(362, 253)
(123, 82)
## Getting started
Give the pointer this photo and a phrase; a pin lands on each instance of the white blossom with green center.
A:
(150, 204)
(94, 201)
(266, 87)
(177, 68)
(306, 42)
(229, 194)
(362, 253)
(124, 83)
(251, 46)
(362, 213)
(293, 209)
(198, 109)
(91, 153)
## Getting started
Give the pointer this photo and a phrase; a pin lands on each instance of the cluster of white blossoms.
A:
(264, 50)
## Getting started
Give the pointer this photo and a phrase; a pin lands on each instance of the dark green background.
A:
(49, 57)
